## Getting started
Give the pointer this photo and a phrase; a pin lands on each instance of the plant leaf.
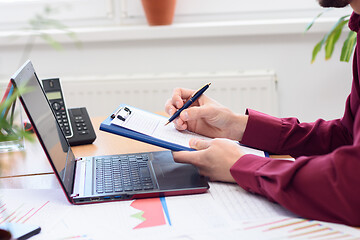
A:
(7, 103)
(313, 21)
(339, 21)
(9, 131)
(348, 47)
(51, 41)
(332, 39)
(44, 21)
(334, 35)
(316, 50)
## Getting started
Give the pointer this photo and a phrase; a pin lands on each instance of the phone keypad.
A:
(63, 121)
(80, 125)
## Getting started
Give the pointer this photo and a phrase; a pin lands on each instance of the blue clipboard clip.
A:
(123, 113)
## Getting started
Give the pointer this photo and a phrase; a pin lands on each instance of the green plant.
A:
(45, 21)
(8, 130)
(37, 27)
(331, 38)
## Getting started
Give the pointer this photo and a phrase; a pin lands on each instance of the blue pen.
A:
(193, 98)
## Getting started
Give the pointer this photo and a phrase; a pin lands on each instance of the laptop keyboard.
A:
(123, 173)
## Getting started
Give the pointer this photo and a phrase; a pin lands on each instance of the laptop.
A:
(102, 178)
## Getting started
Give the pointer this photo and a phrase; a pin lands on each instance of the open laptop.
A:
(102, 178)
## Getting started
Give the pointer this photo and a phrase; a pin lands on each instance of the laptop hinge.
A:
(79, 178)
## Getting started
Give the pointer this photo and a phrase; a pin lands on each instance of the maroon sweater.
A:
(324, 181)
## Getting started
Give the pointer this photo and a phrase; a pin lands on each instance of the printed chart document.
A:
(196, 217)
(153, 125)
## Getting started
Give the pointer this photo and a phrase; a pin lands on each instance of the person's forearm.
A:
(237, 127)
(289, 136)
(319, 187)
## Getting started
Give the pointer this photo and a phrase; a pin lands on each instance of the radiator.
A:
(237, 90)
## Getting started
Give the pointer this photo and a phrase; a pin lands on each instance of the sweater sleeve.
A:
(289, 136)
(324, 187)
(322, 183)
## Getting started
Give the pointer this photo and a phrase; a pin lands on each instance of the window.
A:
(220, 10)
(16, 14)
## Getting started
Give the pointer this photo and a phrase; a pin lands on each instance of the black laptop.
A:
(102, 178)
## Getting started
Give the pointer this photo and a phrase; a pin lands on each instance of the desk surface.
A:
(31, 170)
(33, 160)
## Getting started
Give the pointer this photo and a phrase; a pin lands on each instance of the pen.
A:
(193, 98)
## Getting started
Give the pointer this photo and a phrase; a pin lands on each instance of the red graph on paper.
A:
(18, 214)
(152, 212)
(295, 228)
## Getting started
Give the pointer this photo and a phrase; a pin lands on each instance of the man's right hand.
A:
(205, 116)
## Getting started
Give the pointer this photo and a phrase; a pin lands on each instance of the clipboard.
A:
(107, 126)
(124, 113)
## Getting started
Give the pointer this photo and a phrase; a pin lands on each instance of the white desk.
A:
(32, 195)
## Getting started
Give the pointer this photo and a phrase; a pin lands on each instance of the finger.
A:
(184, 157)
(190, 157)
(199, 144)
(195, 113)
(179, 124)
(181, 94)
(169, 107)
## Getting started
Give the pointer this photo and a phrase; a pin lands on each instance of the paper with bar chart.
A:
(152, 212)
(43, 208)
(282, 228)
(136, 218)
(298, 228)
(241, 205)
(200, 216)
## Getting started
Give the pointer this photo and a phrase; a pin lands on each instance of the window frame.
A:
(17, 14)
(232, 10)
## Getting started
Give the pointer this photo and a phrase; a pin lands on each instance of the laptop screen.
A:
(45, 125)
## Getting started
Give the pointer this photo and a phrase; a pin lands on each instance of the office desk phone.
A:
(75, 122)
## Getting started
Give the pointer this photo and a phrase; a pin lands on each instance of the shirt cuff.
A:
(244, 172)
(262, 131)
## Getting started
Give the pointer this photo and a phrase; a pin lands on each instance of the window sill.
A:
(176, 31)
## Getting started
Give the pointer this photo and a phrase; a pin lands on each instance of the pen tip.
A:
(167, 123)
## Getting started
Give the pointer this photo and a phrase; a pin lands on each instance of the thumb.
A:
(184, 157)
(199, 144)
(195, 113)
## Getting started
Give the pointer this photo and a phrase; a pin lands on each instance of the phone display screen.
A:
(53, 95)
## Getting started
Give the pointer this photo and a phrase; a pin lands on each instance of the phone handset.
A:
(55, 96)
(74, 122)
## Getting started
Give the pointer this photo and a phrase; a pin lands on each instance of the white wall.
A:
(306, 90)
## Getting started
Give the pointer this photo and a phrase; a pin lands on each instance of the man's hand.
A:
(214, 158)
(205, 116)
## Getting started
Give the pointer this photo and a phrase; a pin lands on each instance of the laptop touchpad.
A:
(172, 175)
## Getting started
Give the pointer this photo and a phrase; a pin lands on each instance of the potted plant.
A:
(159, 12)
(330, 39)
(11, 132)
